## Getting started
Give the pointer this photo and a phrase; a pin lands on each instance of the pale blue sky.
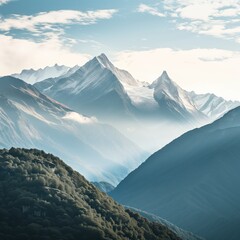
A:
(34, 33)
(127, 29)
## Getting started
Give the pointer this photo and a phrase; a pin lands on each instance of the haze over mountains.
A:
(193, 182)
(139, 110)
(32, 120)
(149, 115)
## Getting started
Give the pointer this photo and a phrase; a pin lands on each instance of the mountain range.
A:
(99, 82)
(151, 115)
(30, 119)
(192, 182)
(146, 116)
(131, 116)
(32, 76)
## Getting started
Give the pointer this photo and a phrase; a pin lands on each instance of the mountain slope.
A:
(33, 76)
(30, 119)
(43, 198)
(193, 182)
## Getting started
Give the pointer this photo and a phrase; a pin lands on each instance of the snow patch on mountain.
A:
(142, 96)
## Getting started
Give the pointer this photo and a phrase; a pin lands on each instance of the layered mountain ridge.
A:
(33, 120)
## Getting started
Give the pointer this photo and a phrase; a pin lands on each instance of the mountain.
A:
(173, 100)
(212, 106)
(32, 120)
(93, 89)
(99, 88)
(149, 114)
(99, 79)
(43, 198)
(193, 182)
(33, 76)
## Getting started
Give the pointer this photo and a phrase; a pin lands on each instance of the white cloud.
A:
(18, 54)
(208, 17)
(4, 1)
(202, 70)
(76, 117)
(143, 8)
(51, 20)
(216, 18)
(52, 46)
(203, 9)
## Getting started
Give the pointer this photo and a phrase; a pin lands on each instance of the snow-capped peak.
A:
(166, 90)
(165, 76)
(102, 62)
(164, 81)
(165, 87)
(105, 62)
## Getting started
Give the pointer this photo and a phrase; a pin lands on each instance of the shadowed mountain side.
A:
(193, 182)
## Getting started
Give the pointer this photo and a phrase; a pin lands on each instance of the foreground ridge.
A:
(43, 198)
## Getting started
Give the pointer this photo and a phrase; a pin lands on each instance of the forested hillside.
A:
(43, 198)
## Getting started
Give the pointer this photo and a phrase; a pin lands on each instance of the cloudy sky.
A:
(196, 41)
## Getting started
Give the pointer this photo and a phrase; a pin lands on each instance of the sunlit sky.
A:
(196, 41)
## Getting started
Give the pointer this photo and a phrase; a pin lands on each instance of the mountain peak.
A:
(104, 61)
(165, 75)
(103, 55)
(164, 79)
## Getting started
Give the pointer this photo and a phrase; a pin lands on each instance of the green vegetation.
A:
(43, 198)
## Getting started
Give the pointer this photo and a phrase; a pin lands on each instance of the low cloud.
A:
(18, 54)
